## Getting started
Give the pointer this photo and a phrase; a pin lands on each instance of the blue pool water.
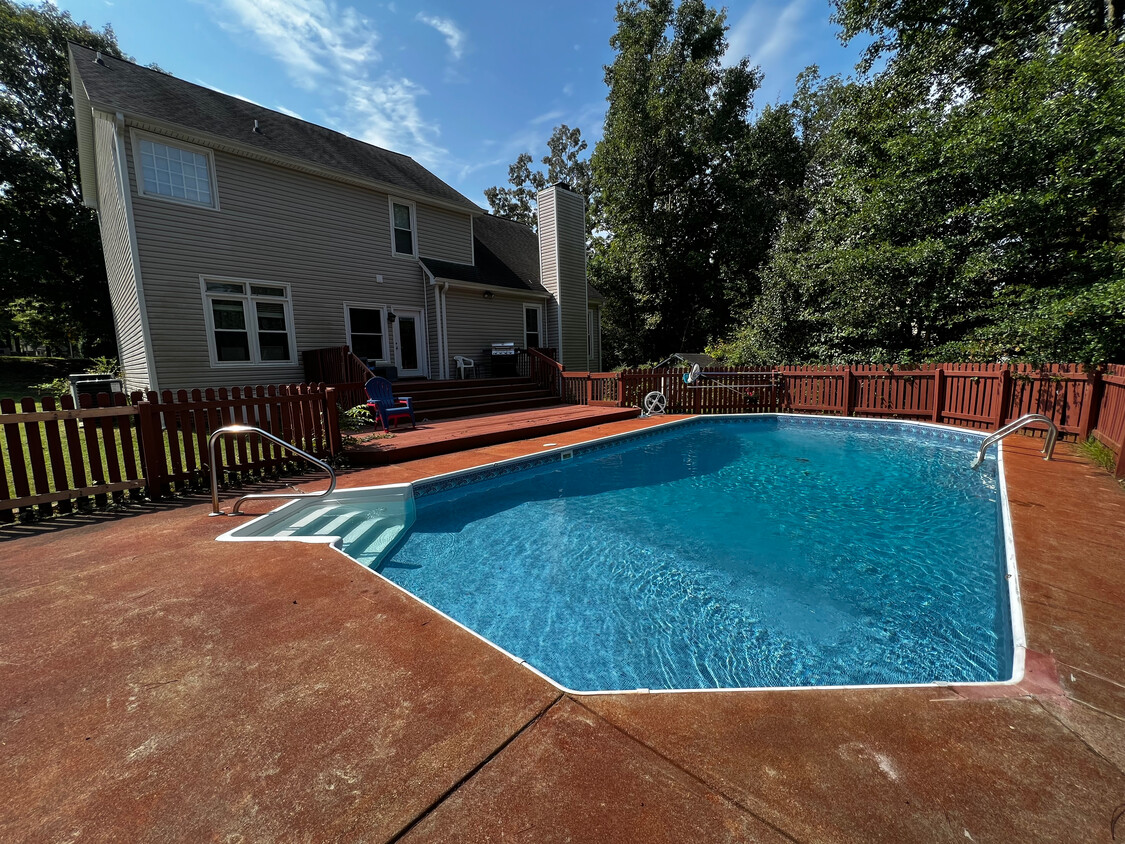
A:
(755, 551)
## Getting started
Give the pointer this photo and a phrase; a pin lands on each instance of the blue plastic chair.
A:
(384, 407)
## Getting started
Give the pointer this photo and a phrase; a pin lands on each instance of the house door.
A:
(408, 335)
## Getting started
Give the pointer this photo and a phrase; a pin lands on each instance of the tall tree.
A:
(564, 162)
(984, 225)
(50, 253)
(680, 177)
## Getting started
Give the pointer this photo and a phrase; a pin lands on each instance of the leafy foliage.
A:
(984, 224)
(690, 190)
(52, 275)
(564, 164)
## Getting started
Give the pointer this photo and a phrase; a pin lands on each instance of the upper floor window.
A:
(248, 322)
(402, 228)
(175, 172)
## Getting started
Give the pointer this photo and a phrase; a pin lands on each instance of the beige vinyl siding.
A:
(594, 319)
(548, 267)
(445, 235)
(570, 231)
(475, 323)
(326, 239)
(113, 222)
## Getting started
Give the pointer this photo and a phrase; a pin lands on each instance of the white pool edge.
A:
(1019, 642)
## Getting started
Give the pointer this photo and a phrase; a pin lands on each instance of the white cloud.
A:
(767, 33)
(385, 112)
(455, 38)
(543, 118)
(206, 84)
(568, 89)
(313, 39)
(288, 111)
(331, 49)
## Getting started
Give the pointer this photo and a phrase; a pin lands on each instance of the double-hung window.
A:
(366, 332)
(403, 229)
(174, 171)
(248, 322)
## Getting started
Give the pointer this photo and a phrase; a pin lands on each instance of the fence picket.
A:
(55, 452)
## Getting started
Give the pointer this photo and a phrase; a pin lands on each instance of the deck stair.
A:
(452, 399)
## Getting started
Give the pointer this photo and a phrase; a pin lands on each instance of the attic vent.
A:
(98, 58)
(257, 130)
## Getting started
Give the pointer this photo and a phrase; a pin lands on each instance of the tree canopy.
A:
(965, 202)
(565, 163)
(52, 275)
(688, 187)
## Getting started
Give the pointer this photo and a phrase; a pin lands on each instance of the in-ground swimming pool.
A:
(720, 552)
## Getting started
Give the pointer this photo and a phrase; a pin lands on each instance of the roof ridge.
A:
(212, 92)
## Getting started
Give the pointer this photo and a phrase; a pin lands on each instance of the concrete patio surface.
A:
(156, 685)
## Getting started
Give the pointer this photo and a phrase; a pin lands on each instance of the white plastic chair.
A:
(464, 364)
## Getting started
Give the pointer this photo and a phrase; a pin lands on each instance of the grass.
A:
(18, 374)
(1098, 453)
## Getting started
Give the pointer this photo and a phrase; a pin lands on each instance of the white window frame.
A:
(137, 135)
(391, 203)
(250, 313)
(388, 341)
(534, 306)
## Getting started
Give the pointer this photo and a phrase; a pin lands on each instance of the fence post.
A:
(152, 448)
(1088, 419)
(332, 423)
(939, 394)
(1004, 388)
(849, 392)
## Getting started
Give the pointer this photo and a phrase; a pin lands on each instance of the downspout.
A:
(439, 319)
(445, 330)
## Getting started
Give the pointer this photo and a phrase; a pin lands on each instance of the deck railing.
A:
(334, 365)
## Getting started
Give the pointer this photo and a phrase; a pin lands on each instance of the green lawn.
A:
(17, 374)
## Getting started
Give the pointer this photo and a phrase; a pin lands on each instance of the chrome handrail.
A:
(250, 429)
(1012, 427)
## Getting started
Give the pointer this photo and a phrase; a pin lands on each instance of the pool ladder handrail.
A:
(237, 430)
(1012, 427)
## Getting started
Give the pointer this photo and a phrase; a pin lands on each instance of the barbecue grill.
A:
(504, 357)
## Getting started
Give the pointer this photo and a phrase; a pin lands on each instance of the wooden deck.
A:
(446, 436)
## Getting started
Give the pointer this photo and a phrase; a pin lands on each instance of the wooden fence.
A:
(978, 396)
(53, 454)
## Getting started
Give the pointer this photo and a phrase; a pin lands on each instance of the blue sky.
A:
(461, 87)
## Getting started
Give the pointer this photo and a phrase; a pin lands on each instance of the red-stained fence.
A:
(978, 396)
(58, 455)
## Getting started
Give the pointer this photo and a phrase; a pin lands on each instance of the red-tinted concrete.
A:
(157, 685)
(573, 777)
(205, 690)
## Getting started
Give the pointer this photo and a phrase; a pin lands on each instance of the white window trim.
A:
(392, 201)
(535, 306)
(387, 344)
(251, 321)
(136, 135)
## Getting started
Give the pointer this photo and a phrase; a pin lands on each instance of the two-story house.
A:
(237, 237)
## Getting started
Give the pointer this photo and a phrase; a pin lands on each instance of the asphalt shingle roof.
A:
(142, 92)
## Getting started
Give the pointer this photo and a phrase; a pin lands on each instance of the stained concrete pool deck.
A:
(156, 685)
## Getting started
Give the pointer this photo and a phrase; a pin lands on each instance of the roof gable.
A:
(140, 92)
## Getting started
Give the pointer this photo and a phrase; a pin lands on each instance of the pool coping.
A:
(487, 471)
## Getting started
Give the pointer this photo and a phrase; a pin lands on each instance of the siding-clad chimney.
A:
(562, 269)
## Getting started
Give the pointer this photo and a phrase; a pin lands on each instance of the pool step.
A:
(363, 534)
